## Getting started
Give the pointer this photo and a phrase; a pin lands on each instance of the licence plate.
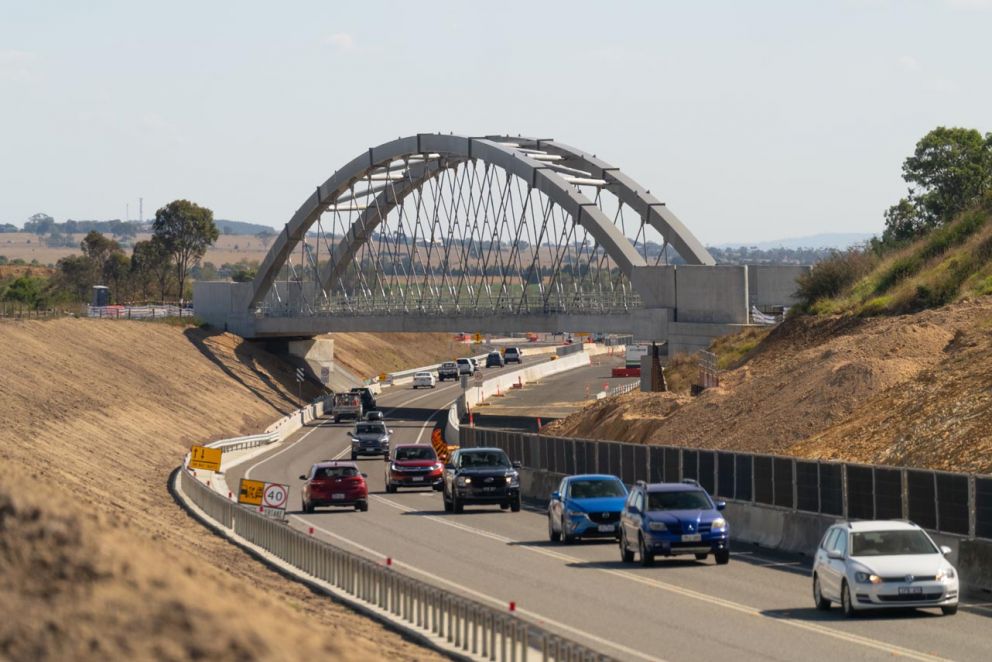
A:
(488, 490)
(910, 590)
(417, 479)
(337, 497)
(692, 537)
(605, 528)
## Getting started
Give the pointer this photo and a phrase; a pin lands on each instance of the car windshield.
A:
(415, 453)
(485, 459)
(422, 374)
(891, 543)
(370, 428)
(680, 500)
(335, 472)
(594, 489)
(448, 365)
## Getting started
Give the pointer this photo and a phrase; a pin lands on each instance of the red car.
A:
(334, 483)
(413, 465)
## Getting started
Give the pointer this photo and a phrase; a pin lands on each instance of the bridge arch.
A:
(408, 196)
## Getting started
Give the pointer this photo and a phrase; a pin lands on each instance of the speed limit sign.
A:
(275, 495)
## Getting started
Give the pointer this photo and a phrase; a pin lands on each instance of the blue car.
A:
(670, 519)
(586, 506)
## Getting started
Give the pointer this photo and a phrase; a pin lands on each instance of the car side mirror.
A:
(720, 505)
(303, 477)
(835, 554)
(516, 465)
(556, 496)
(945, 550)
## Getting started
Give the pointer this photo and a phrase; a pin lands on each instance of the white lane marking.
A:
(541, 620)
(289, 447)
(686, 592)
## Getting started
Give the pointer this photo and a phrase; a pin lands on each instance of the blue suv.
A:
(671, 519)
(586, 506)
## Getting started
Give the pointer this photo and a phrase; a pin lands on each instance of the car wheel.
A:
(722, 556)
(566, 538)
(307, 508)
(647, 558)
(337, 419)
(515, 505)
(821, 602)
(949, 610)
(701, 557)
(456, 506)
(390, 488)
(504, 506)
(553, 536)
(845, 601)
(354, 456)
(362, 506)
(626, 556)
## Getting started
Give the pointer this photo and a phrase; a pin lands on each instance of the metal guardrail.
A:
(950, 503)
(470, 626)
(623, 388)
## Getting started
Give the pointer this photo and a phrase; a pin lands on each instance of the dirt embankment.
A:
(367, 354)
(96, 559)
(910, 390)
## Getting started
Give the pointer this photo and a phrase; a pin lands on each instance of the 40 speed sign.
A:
(266, 495)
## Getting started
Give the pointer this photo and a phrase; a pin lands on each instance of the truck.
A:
(632, 358)
(346, 405)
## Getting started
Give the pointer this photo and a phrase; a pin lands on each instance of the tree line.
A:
(156, 270)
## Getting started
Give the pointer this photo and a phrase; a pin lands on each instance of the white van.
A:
(633, 356)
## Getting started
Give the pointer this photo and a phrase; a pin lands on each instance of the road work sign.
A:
(251, 492)
(202, 457)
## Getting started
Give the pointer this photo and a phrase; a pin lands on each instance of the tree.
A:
(40, 224)
(27, 290)
(76, 275)
(266, 237)
(950, 169)
(99, 249)
(116, 270)
(186, 230)
(152, 263)
(903, 221)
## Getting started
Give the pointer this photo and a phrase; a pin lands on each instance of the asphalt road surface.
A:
(759, 607)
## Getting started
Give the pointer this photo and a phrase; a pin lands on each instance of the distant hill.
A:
(240, 227)
(838, 240)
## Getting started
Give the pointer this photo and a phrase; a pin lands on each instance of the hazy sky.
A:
(752, 120)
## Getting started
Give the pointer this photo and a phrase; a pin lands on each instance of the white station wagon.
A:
(424, 379)
(879, 564)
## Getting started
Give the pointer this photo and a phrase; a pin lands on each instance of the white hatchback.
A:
(424, 379)
(880, 564)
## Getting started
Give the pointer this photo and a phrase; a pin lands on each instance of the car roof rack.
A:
(691, 481)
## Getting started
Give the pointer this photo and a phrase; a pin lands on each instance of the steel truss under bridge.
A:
(443, 225)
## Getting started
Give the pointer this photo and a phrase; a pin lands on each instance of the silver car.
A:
(880, 564)
(370, 438)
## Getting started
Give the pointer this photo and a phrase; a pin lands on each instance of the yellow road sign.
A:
(251, 492)
(201, 457)
(383, 376)
(477, 337)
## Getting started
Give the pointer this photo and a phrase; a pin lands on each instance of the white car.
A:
(879, 564)
(424, 379)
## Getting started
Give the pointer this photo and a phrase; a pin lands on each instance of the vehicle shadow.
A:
(812, 614)
(482, 510)
(413, 413)
(659, 564)
(796, 564)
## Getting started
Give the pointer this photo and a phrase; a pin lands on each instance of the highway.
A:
(756, 608)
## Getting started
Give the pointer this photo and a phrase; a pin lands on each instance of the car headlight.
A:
(719, 523)
(393, 467)
(657, 526)
(945, 573)
(867, 578)
(464, 480)
(512, 478)
(437, 466)
(574, 513)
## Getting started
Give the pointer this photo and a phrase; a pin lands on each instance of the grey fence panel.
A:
(888, 493)
(783, 481)
(641, 463)
(707, 471)
(546, 460)
(763, 480)
(725, 475)
(581, 466)
(673, 470)
(527, 457)
(808, 486)
(615, 461)
(690, 464)
(657, 465)
(627, 464)
(832, 489)
(983, 507)
(561, 461)
(603, 455)
(592, 457)
(921, 493)
(860, 492)
(952, 503)
(743, 483)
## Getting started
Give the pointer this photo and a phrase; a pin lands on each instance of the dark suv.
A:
(481, 476)
(368, 398)
(671, 519)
